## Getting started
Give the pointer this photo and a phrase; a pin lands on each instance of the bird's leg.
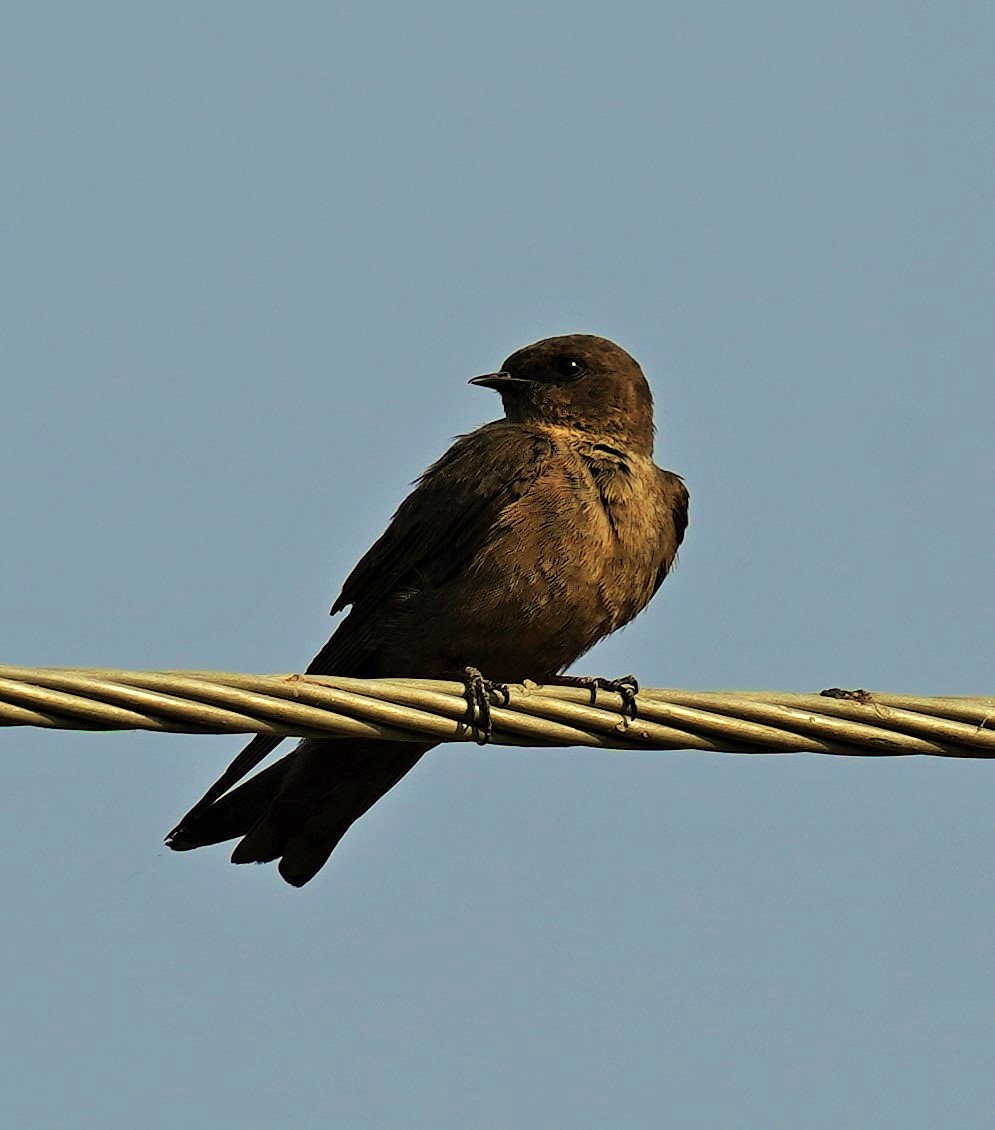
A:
(627, 687)
(478, 700)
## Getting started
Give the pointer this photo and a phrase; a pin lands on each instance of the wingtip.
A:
(179, 840)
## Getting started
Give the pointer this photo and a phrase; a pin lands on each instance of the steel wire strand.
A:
(855, 723)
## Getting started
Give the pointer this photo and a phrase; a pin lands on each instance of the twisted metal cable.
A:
(854, 723)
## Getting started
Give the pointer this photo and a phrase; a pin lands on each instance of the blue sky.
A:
(251, 254)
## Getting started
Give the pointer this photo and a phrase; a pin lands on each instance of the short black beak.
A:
(497, 380)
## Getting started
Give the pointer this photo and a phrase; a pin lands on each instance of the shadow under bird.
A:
(531, 539)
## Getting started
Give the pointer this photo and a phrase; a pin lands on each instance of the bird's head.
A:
(577, 381)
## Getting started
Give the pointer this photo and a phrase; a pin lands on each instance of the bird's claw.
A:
(627, 687)
(478, 700)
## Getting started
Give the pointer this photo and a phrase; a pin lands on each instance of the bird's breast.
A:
(570, 561)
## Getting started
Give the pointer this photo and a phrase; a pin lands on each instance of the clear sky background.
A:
(250, 255)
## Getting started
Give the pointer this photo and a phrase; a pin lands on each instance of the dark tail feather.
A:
(327, 786)
(234, 814)
(257, 750)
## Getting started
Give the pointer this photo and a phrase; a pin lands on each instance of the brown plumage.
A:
(531, 539)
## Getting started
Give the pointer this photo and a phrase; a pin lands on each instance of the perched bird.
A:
(531, 539)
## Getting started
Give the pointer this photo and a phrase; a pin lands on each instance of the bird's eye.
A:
(569, 368)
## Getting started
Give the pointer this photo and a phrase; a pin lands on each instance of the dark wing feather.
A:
(678, 499)
(436, 531)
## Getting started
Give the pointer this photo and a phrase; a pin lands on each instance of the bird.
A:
(532, 538)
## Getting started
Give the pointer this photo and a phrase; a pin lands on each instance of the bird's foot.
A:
(627, 687)
(479, 692)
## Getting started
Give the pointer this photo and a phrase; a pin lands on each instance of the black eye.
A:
(569, 368)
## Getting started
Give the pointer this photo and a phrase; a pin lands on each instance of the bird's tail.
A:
(233, 815)
(298, 809)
